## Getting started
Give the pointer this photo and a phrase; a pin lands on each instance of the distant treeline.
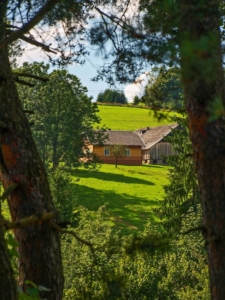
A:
(112, 96)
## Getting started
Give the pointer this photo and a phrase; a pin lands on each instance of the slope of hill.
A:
(131, 118)
(130, 192)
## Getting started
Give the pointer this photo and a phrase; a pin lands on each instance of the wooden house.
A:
(156, 147)
(133, 147)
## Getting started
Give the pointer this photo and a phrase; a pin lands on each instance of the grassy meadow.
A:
(130, 192)
(131, 118)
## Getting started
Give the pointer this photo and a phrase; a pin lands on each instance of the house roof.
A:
(152, 136)
(123, 137)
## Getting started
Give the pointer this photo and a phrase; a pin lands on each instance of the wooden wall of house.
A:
(159, 150)
(156, 153)
(134, 159)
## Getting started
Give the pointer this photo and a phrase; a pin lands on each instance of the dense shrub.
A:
(121, 268)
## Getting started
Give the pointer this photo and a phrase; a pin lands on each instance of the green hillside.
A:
(130, 192)
(130, 118)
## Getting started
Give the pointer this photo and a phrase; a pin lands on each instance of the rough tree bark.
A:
(8, 285)
(203, 81)
(39, 245)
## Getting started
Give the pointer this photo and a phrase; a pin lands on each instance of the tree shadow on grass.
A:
(151, 166)
(127, 213)
(110, 177)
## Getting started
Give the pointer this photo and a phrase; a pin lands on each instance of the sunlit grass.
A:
(130, 192)
(129, 118)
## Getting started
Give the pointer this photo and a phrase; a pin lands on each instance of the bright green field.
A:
(129, 118)
(130, 192)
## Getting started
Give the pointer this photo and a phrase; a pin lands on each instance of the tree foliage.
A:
(64, 199)
(118, 151)
(182, 193)
(137, 100)
(111, 96)
(63, 113)
(134, 267)
(164, 89)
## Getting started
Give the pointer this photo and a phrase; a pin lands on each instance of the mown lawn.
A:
(130, 192)
(129, 118)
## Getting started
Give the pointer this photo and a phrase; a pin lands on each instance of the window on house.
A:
(106, 151)
(127, 152)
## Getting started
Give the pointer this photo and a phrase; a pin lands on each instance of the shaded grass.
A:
(129, 118)
(130, 192)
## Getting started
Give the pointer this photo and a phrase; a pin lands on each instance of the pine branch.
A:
(33, 42)
(30, 24)
(8, 191)
(24, 82)
(53, 224)
(198, 228)
(36, 43)
(15, 74)
(26, 111)
(119, 22)
(25, 222)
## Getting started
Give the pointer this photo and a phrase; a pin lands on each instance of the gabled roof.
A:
(152, 136)
(123, 137)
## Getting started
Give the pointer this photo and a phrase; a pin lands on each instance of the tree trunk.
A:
(39, 245)
(203, 81)
(8, 289)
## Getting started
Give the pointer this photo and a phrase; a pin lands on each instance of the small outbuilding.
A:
(156, 147)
